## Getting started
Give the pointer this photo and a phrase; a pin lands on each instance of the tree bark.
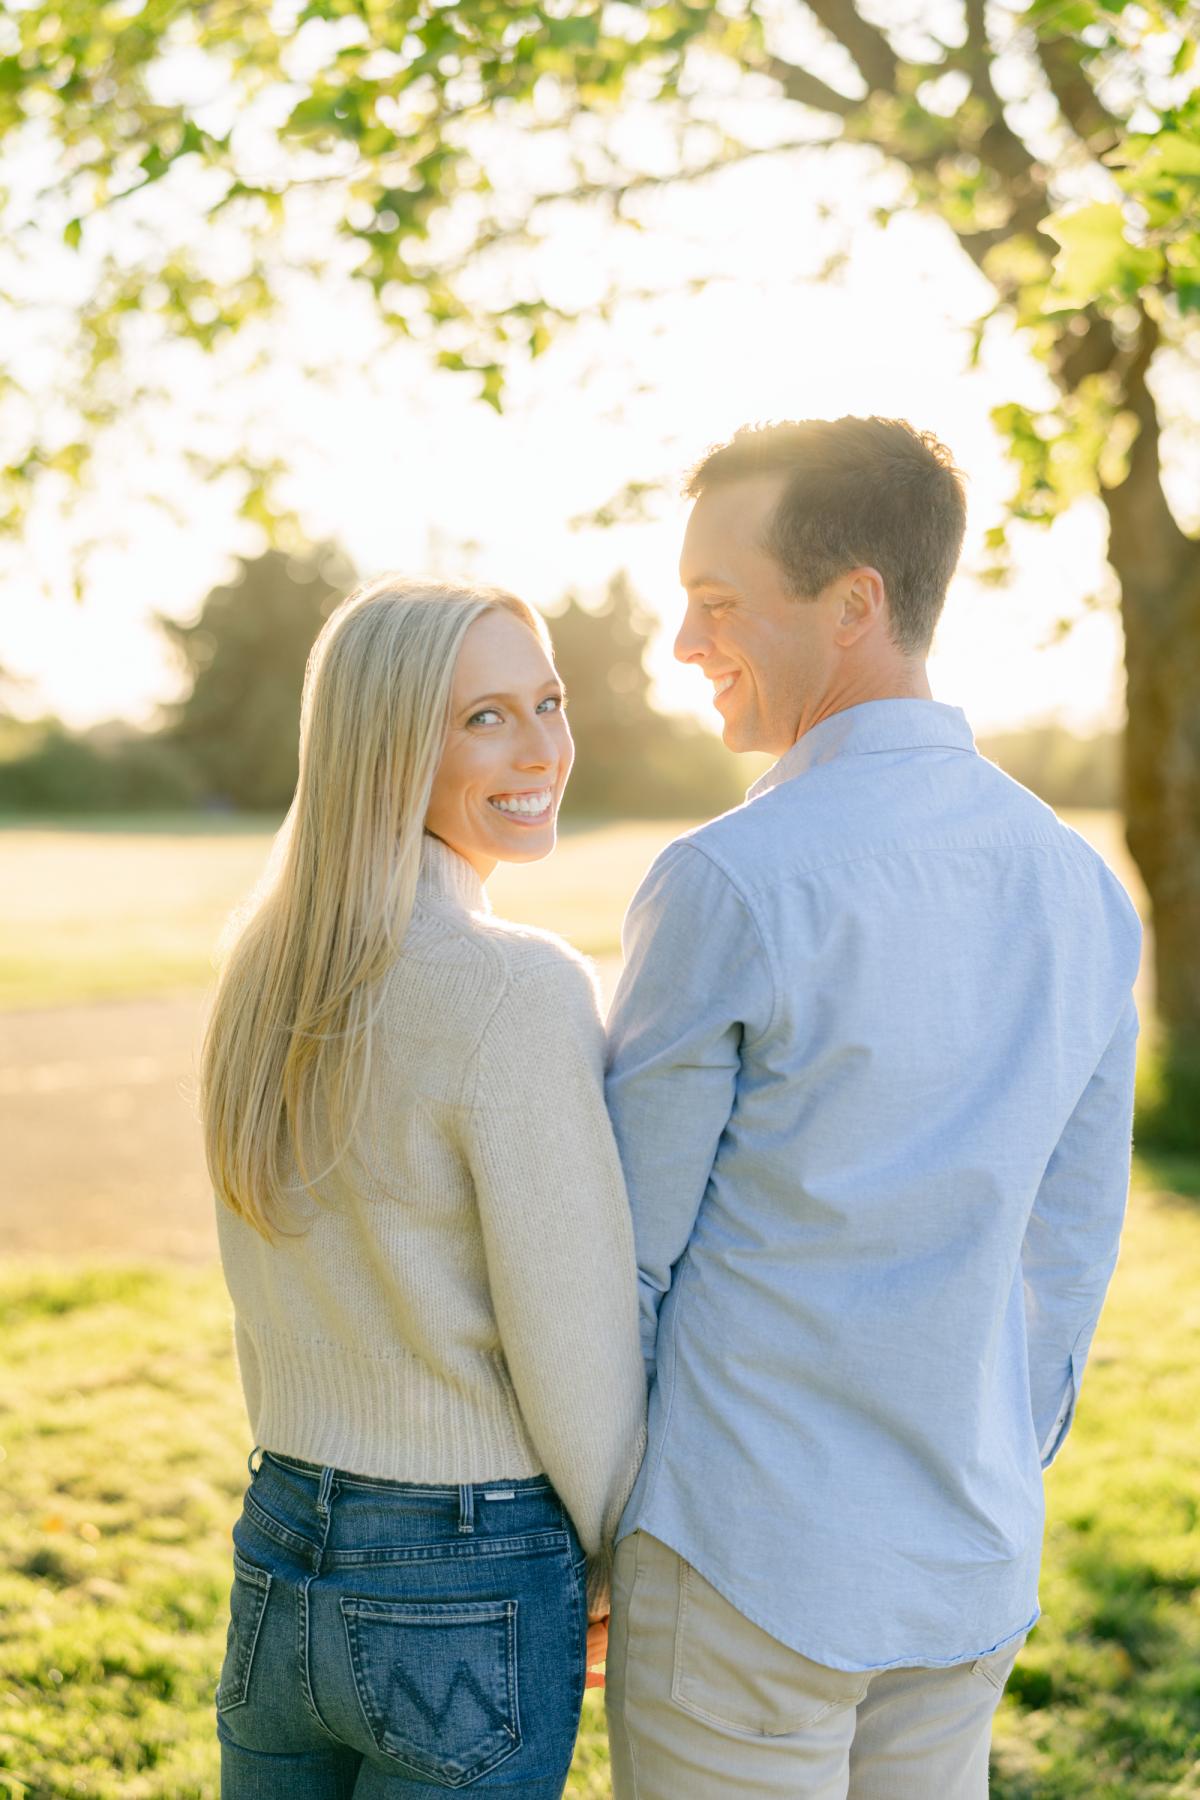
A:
(1158, 567)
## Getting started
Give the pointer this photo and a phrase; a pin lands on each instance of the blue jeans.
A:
(391, 1640)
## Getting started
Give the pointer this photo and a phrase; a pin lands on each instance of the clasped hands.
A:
(597, 1650)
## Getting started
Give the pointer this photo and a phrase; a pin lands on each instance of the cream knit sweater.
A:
(464, 1309)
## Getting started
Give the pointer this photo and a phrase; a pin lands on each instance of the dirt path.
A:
(102, 1152)
(101, 1146)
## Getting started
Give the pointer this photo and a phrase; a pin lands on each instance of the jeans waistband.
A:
(345, 1478)
(327, 1515)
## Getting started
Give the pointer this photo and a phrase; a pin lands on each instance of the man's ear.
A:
(862, 605)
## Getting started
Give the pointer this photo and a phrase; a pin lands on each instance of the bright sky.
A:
(408, 471)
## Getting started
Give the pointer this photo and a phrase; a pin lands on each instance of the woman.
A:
(425, 1235)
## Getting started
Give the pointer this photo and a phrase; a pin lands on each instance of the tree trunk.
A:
(1158, 567)
(1162, 776)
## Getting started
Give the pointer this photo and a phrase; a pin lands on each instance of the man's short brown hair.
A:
(860, 492)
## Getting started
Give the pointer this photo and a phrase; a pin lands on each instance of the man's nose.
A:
(691, 643)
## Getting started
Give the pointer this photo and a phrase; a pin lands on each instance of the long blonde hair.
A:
(287, 1050)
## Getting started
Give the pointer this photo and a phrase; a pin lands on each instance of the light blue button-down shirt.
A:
(871, 1073)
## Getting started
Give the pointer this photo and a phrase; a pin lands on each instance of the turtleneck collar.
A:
(448, 877)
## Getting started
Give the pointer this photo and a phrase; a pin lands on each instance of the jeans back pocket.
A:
(247, 1603)
(437, 1682)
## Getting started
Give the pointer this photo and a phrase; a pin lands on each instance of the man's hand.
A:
(597, 1650)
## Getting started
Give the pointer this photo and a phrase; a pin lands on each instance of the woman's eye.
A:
(557, 701)
(488, 713)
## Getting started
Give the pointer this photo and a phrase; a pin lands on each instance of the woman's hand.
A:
(597, 1650)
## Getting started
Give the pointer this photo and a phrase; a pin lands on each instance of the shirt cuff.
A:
(1054, 1439)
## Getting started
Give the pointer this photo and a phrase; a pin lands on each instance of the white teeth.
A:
(526, 805)
(726, 681)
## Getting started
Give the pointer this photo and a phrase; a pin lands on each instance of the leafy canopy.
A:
(175, 171)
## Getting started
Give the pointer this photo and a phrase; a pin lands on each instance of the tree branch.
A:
(1080, 354)
(1025, 220)
(809, 90)
(866, 45)
(615, 191)
(1081, 107)
(998, 147)
(1143, 532)
(1005, 154)
(978, 57)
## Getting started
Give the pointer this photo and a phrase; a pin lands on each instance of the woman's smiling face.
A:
(508, 749)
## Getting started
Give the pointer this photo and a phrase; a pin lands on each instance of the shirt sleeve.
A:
(1071, 1242)
(559, 1245)
(696, 982)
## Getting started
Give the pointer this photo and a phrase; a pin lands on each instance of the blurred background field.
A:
(127, 906)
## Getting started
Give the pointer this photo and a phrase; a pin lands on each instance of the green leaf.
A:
(1167, 153)
(573, 33)
(1183, 261)
(491, 386)
(315, 112)
(1062, 16)
(1096, 260)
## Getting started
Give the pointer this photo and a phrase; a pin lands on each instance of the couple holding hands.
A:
(732, 1344)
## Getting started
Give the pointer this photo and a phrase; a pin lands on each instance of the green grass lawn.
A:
(122, 1447)
(122, 1461)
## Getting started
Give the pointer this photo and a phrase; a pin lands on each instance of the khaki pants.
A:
(703, 1705)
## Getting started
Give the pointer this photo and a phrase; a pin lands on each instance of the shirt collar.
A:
(447, 876)
(873, 726)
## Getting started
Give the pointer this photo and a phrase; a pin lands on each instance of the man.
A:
(871, 1073)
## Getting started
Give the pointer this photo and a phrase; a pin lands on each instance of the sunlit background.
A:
(399, 462)
(157, 601)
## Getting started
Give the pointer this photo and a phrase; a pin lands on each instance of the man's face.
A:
(770, 656)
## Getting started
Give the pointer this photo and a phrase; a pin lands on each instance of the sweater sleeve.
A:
(559, 1244)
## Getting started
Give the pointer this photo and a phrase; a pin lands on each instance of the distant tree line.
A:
(1061, 768)
(230, 742)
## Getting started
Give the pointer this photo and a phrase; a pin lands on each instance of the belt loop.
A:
(466, 1508)
(253, 1466)
(323, 1493)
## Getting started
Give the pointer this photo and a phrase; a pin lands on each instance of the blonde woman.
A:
(425, 1235)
